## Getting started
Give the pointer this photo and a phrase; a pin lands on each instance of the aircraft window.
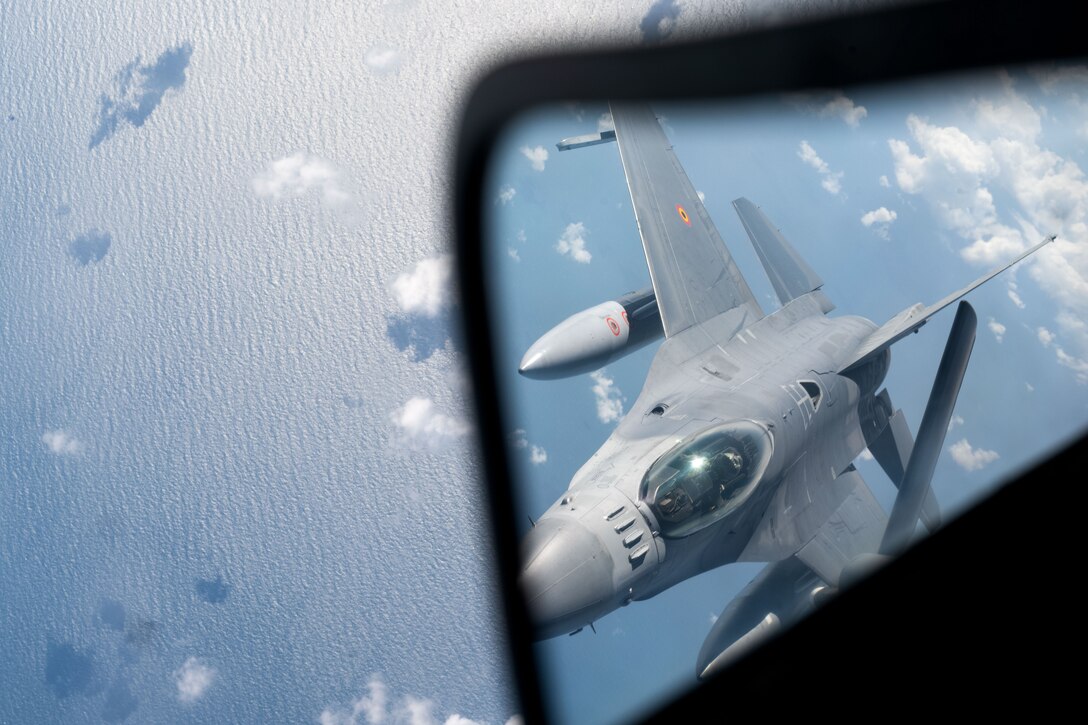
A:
(705, 477)
(813, 391)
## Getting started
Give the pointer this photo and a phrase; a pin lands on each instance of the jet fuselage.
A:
(769, 385)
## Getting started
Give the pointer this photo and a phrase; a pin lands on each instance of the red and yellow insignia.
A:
(683, 214)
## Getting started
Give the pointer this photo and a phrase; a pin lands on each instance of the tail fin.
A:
(788, 271)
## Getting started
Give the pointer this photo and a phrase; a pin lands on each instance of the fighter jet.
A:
(740, 445)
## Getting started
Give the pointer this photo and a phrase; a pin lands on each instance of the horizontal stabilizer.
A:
(787, 270)
(589, 139)
(910, 319)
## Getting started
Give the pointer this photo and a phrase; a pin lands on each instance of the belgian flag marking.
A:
(683, 214)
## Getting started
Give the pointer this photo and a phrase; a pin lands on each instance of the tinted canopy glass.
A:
(706, 476)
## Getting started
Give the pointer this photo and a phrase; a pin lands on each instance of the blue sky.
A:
(894, 197)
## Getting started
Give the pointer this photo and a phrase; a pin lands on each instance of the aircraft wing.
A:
(693, 274)
(910, 319)
(810, 532)
(848, 532)
(825, 524)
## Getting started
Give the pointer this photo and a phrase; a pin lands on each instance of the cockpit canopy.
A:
(706, 476)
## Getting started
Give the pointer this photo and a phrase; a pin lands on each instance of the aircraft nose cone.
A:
(533, 361)
(567, 576)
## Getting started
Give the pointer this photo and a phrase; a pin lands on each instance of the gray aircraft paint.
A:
(808, 382)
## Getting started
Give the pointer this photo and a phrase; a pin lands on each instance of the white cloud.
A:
(832, 184)
(970, 458)
(997, 328)
(521, 236)
(996, 245)
(573, 243)
(421, 422)
(1076, 364)
(832, 180)
(519, 440)
(844, 108)
(810, 157)
(882, 215)
(61, 443)
(460, 720)
(382, 60)
(1030, 387)
(1014, 293)
(882, 218)
(371, 706)
(830, 104)
(193, 679)
(297, 174)
(536, 155)
(954, 421)
(507, 194)
(884, 181)
(605, 122)
(374, 708)
(999, 153)
(1074, 328)
(427, 288)
(513, 253)
(609, 398)
(415, 711)
(1049, 78)
(515, 720)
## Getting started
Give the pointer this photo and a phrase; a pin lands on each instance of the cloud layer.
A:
(999, 154)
